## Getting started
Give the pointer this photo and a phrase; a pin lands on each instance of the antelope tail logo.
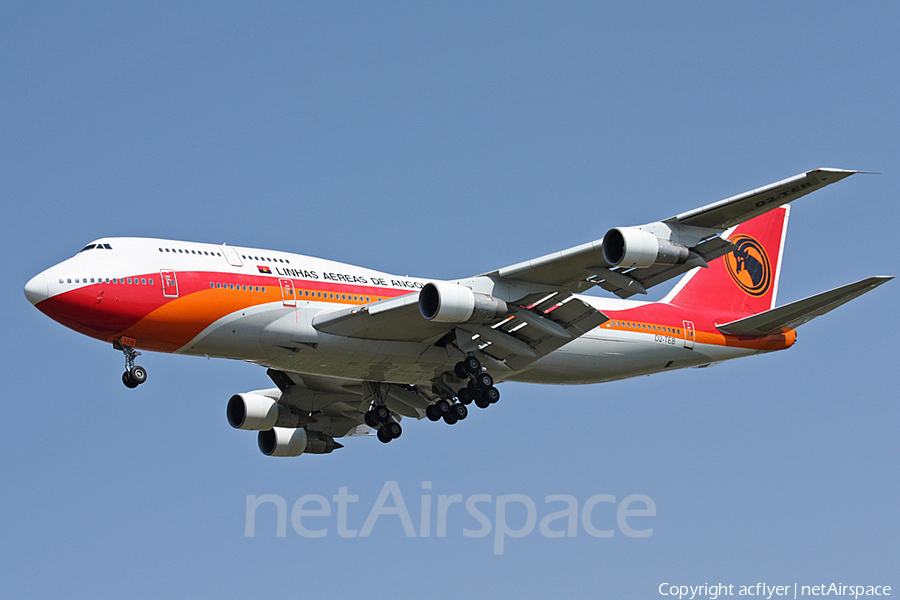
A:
(749, 265)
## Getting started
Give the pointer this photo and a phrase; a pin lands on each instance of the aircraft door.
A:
(232, 256)
(287, 293)
(689, 335)
(169, 283)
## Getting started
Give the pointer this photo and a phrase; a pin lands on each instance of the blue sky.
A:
(445, 140)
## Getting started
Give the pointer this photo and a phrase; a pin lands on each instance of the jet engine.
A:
(285, 441)
(257, 411)
(631, 247)
(453, 303)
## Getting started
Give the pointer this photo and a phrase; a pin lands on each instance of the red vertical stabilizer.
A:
(745, 280)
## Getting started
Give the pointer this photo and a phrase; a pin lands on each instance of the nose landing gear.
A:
(134, 375)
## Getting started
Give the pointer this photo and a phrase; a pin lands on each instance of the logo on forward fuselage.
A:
(749, 265)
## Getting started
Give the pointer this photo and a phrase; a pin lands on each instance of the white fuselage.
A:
(258, 306)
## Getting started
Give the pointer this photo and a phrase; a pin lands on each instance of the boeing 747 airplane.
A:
(351, 350)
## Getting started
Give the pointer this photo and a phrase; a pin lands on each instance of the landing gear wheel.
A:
(138, 374)
(460, 370)
(442, 407)
(459, 411)
(370, 420)
(484, 380)
(134, 375)
(472, 365)
(393, 429)
(432, 413)
(491, 395)
(128, 381)
(450, 419)
(465, 396)
(383, 436)
(381, 414)
(481, 403)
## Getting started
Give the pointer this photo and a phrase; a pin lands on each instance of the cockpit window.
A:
(97, 247)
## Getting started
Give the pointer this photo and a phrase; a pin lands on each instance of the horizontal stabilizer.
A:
(795, 314)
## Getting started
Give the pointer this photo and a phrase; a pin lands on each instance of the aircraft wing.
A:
(584, 266)
(795, 314)
(537, 325)
(543, 312)
(743, 207)
(336, 406)
(395, 319)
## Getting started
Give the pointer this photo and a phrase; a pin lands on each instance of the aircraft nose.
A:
(37, 289)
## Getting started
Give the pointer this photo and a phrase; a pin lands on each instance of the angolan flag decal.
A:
(264, 269)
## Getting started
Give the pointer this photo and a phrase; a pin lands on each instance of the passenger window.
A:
(69, 281)
(264, 290)
(143, 281)
(129, 281)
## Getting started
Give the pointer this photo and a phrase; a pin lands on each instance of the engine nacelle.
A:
(453, 303)
(256, 411)
(284, 441)
(630, 247)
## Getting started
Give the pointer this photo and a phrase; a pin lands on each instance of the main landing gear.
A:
(479, 389)
(379, 418)
(134, 375)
